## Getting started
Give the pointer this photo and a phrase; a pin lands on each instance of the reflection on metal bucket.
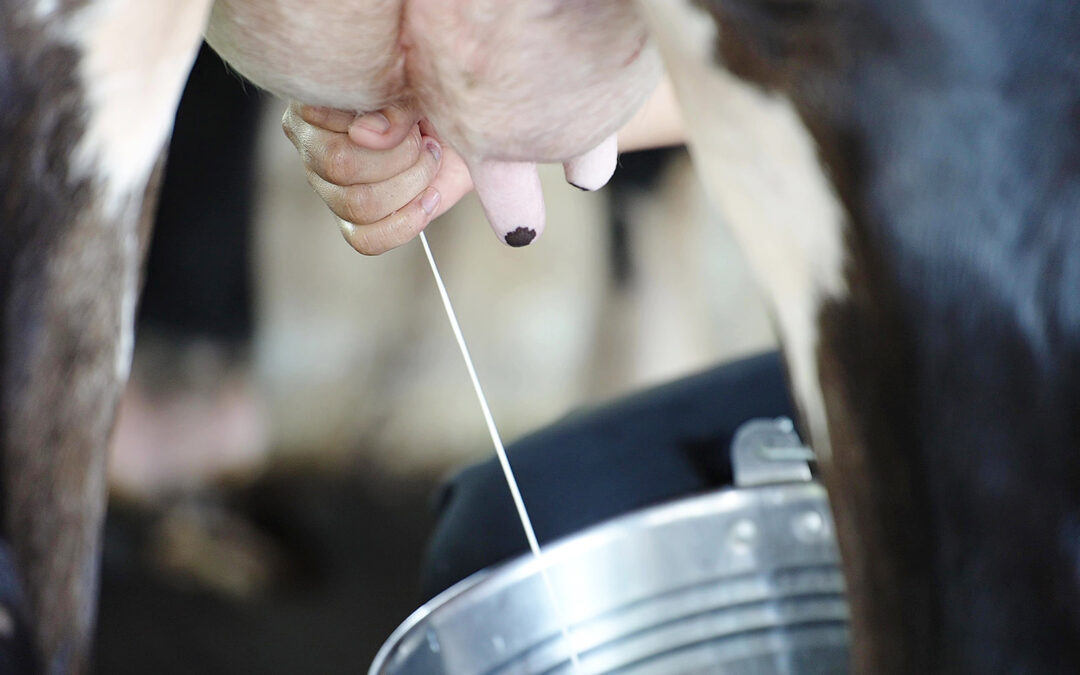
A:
(743, 580)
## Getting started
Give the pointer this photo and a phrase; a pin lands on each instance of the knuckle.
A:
(339, 164)
(403, 226)
(387, 234)
(357, 204)
(368, 245)
(313, 115)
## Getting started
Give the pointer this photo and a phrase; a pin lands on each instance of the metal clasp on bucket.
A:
(766, 452)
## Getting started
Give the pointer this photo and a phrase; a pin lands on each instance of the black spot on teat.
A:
(583, 189)
(522, 236)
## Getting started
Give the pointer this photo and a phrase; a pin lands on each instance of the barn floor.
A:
(301, 572)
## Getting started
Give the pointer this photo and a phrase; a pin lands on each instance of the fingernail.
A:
(522, 236)
(433, 147)
(429, 200)
(375, 121)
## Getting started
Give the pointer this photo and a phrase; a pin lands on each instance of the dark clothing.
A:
(198, 269)
(651, 447)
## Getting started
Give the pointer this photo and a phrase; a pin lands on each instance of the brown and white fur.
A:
(87, 95)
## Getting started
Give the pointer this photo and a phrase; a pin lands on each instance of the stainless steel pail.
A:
(744, 580)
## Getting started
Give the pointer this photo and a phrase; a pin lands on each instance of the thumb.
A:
(383, 129)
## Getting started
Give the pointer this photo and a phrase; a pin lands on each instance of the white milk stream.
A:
(500, 452)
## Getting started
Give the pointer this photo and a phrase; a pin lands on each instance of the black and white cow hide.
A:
(927, 288)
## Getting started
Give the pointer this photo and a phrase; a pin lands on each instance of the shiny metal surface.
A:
(769, 451)
(743, 580)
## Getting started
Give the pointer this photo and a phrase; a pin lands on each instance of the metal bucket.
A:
(744, 580)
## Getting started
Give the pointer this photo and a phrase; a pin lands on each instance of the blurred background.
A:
(294, 406)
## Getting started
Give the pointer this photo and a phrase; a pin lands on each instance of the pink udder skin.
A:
(507, 83)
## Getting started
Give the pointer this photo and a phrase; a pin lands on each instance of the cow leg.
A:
(88, 94)
(68, 311)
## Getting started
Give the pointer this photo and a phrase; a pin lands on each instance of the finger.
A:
(367, 203)
(452, 181)
(512, 199)
(324, 118)
(383, 129)
(395, 229)
(336, 159)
